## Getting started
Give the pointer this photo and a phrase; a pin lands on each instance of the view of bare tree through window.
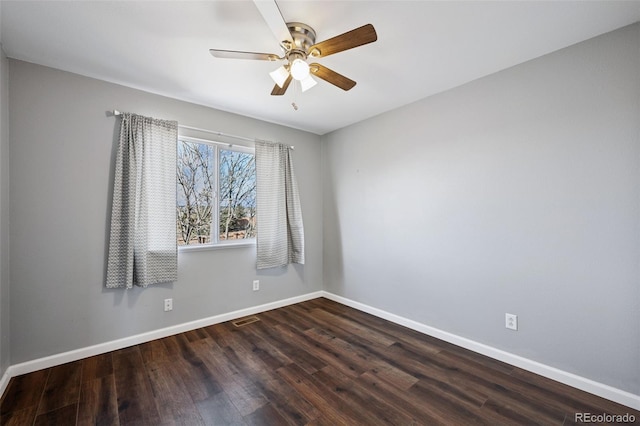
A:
(237, 195)
(214, 205)
(196, 180)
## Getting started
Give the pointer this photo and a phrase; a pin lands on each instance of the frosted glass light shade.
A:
(299, 69)
(307, 83)
(280, 76)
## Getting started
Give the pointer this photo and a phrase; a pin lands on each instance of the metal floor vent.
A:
(245, 321)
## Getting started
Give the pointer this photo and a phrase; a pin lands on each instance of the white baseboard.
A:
(582, 383)
(4, 381)
(58, 359)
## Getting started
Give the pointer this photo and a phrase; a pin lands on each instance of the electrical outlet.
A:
(168, 305)
(511, 321)
(256, 285)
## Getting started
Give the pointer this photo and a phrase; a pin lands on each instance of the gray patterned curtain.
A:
(142, 244)
(280, 238)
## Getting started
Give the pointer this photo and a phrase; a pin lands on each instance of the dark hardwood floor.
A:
(316, 363)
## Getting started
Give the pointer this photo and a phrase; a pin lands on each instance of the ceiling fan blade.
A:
(331, 76)
(234, 54)
(276, 23)
(279, 91)
(354, 38)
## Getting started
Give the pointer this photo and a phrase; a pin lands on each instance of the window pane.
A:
(196, 178)
(237, 195)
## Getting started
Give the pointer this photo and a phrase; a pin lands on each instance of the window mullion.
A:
(215, 215)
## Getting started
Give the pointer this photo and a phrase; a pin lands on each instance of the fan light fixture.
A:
(307, 83)
(280, 76)
(299, 69)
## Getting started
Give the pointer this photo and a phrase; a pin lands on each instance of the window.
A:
(216, 193)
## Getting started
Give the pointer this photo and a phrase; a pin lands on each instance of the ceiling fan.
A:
(298, 42)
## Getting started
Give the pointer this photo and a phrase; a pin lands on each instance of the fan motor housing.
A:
(303, 36)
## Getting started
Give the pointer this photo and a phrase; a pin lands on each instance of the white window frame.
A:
(215, 214)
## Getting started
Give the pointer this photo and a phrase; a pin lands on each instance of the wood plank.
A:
(62, 388)
(320, 351)
(594, 403)
(432, 373)
(96, 367)
(367, 360)
(259, 336)
(503, 413)
(61, 416)
(267, 416)
(500, 385)
(285, 316)
(354, 328)
(485, 385)
(445, 405)
(290, 404)
(296, 354)
(253, 344)
(242, 360)
(376, 410)
(98, 402)
(219, 410)
(19, 417)
(282, 398)
(24, 392)
(408, 402)
(393, 331)
(195, 335)
(154, 351)
(171, 346)
(173, 401)
(333, 408)
(136, 402)
(244, 394)
(199, 380)
(395, 376)
(221, 334)
(421, 366)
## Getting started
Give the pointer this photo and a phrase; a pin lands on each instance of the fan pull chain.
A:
(294, 94)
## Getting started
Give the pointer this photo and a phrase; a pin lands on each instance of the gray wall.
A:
(62, 150)
(519, 193)
(4, 212)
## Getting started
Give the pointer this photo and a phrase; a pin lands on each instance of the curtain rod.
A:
(197, 129)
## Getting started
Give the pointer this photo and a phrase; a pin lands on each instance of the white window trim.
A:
(226, 244)
(219, 246)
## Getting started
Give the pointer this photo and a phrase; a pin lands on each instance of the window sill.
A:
(220, 246)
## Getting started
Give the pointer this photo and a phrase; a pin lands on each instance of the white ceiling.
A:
(423, 48)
